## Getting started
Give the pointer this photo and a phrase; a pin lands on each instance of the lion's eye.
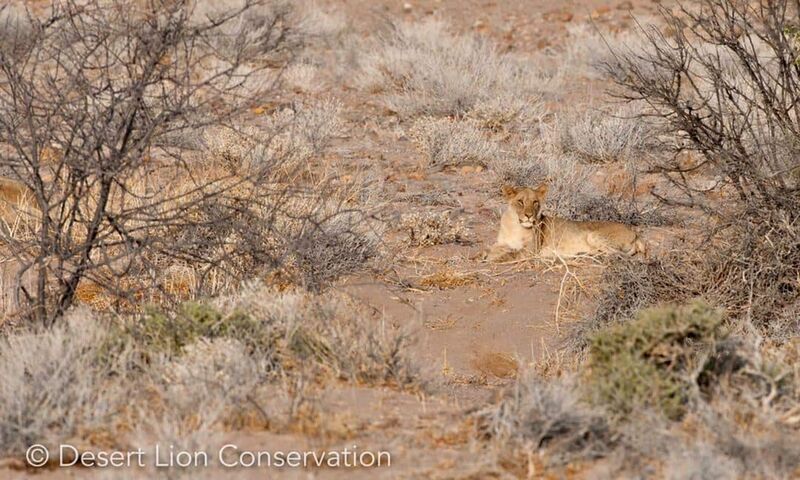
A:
(521, 203)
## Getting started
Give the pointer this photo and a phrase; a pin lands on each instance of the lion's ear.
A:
(542, 189)
(509, 191)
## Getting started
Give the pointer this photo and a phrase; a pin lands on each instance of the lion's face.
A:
(526, 203)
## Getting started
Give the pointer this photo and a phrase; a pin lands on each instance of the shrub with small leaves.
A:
(650, 362)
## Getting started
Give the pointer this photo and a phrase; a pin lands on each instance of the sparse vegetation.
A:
(548, 416)
(203, 363)
(445, 142)
(57, 384)
(432, 228)
(421, 69)
(228, 220)
(599, 137)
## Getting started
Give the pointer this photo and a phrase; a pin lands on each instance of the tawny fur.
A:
(525, 230)
(15, 199)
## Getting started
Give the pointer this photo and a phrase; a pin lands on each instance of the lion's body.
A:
(523, 229)
(15, 199)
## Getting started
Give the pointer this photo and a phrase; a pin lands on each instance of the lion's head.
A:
(526, 203)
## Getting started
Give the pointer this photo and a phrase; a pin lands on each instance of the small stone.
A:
(478, 24)
(625, 6)
(407, 7)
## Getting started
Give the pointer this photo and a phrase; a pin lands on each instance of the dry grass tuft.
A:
(451, 143)
(446, 279)
(57, 384)
(548, 418)
(598, 136)
(433, 228)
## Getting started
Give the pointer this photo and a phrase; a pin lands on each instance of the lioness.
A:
(15, 199)
(523, 228)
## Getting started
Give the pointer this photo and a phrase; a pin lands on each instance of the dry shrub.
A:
(57, 384)
(752, 275)
(589, 49)
(15, 27)
(306, 219)
(290, 332)
(732, 454)
(335, 333)
(755, 274)
(735, 438)
(295, 26)
(700, 460)
(446, 142)
(422, 69)
(737, 395)
(725, 85)
(598, 136)
(432, 228)
(248, 361)
(339, 246)
(154, 199)
(522, 168)
(304, 78)
(116, 187)
(547, 417)
(214, 381)
(283, 145)
(628, 286)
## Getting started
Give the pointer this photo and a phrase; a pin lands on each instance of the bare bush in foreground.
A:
(548, 416)
(84, 102)
(104, 136)
(727, 85)
(57, 383)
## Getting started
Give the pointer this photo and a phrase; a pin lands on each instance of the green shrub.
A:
(160, 332)
(653, 361)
